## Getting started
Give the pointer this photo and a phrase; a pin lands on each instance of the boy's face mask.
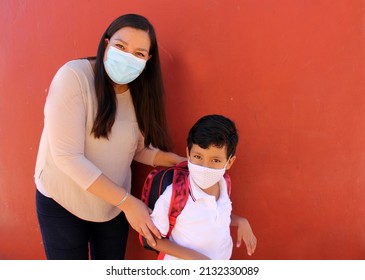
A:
(205, 177)
(122, 67)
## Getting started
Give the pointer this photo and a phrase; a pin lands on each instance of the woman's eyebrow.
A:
(120, 40)
(142, 50)
(125, 43)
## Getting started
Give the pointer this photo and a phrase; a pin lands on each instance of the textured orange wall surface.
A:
(290, 73)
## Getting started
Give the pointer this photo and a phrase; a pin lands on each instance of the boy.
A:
(202, 229)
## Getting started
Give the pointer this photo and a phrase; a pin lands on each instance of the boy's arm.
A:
(245, 233)
(164, 245)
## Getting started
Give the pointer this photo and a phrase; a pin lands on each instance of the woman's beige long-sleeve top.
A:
(70, 159)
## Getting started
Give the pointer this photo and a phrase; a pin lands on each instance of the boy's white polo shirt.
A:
(203, 224)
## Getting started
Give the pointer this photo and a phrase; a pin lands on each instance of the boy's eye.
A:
(197, 157)
(216, 161)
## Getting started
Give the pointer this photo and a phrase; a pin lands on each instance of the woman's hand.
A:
(138, 216)
(136, 212)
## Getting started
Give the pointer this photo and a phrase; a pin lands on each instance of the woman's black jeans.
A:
(67, 237)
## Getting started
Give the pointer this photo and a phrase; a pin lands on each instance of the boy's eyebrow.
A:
(212, 157)
(220, 158)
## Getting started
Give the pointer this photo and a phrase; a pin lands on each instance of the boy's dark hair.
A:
(214, 130)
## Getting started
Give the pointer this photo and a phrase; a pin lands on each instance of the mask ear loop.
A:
(225, 166)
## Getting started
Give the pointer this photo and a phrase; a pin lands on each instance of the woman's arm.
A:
(164, 245)
(137, 213)
(245, 233)
(167, 159)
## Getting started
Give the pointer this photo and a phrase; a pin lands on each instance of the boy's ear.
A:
(187, 152)
(230, 162)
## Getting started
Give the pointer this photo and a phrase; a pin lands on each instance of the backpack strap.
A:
(148, 182)
(179, 197)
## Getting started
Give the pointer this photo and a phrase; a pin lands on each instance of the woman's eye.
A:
(121, 47)
(140, 55)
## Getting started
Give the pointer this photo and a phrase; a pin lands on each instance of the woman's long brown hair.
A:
(147, 90)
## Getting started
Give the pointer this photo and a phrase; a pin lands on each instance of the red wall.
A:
(290, 73)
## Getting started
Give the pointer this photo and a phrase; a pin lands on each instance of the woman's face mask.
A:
(123, 67)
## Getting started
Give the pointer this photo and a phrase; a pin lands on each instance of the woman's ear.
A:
(230, 162)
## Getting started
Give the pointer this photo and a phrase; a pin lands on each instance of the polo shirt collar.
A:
(198, 193)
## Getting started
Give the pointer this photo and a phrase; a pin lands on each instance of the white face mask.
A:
(122, 67)
(205, 177)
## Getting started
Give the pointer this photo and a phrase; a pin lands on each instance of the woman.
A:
(100, 114)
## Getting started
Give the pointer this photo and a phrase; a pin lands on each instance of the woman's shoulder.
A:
(78, 65)
(76, 69)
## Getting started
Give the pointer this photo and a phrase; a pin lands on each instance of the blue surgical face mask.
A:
(122, 67)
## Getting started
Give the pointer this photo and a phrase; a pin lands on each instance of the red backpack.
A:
(156, 183)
